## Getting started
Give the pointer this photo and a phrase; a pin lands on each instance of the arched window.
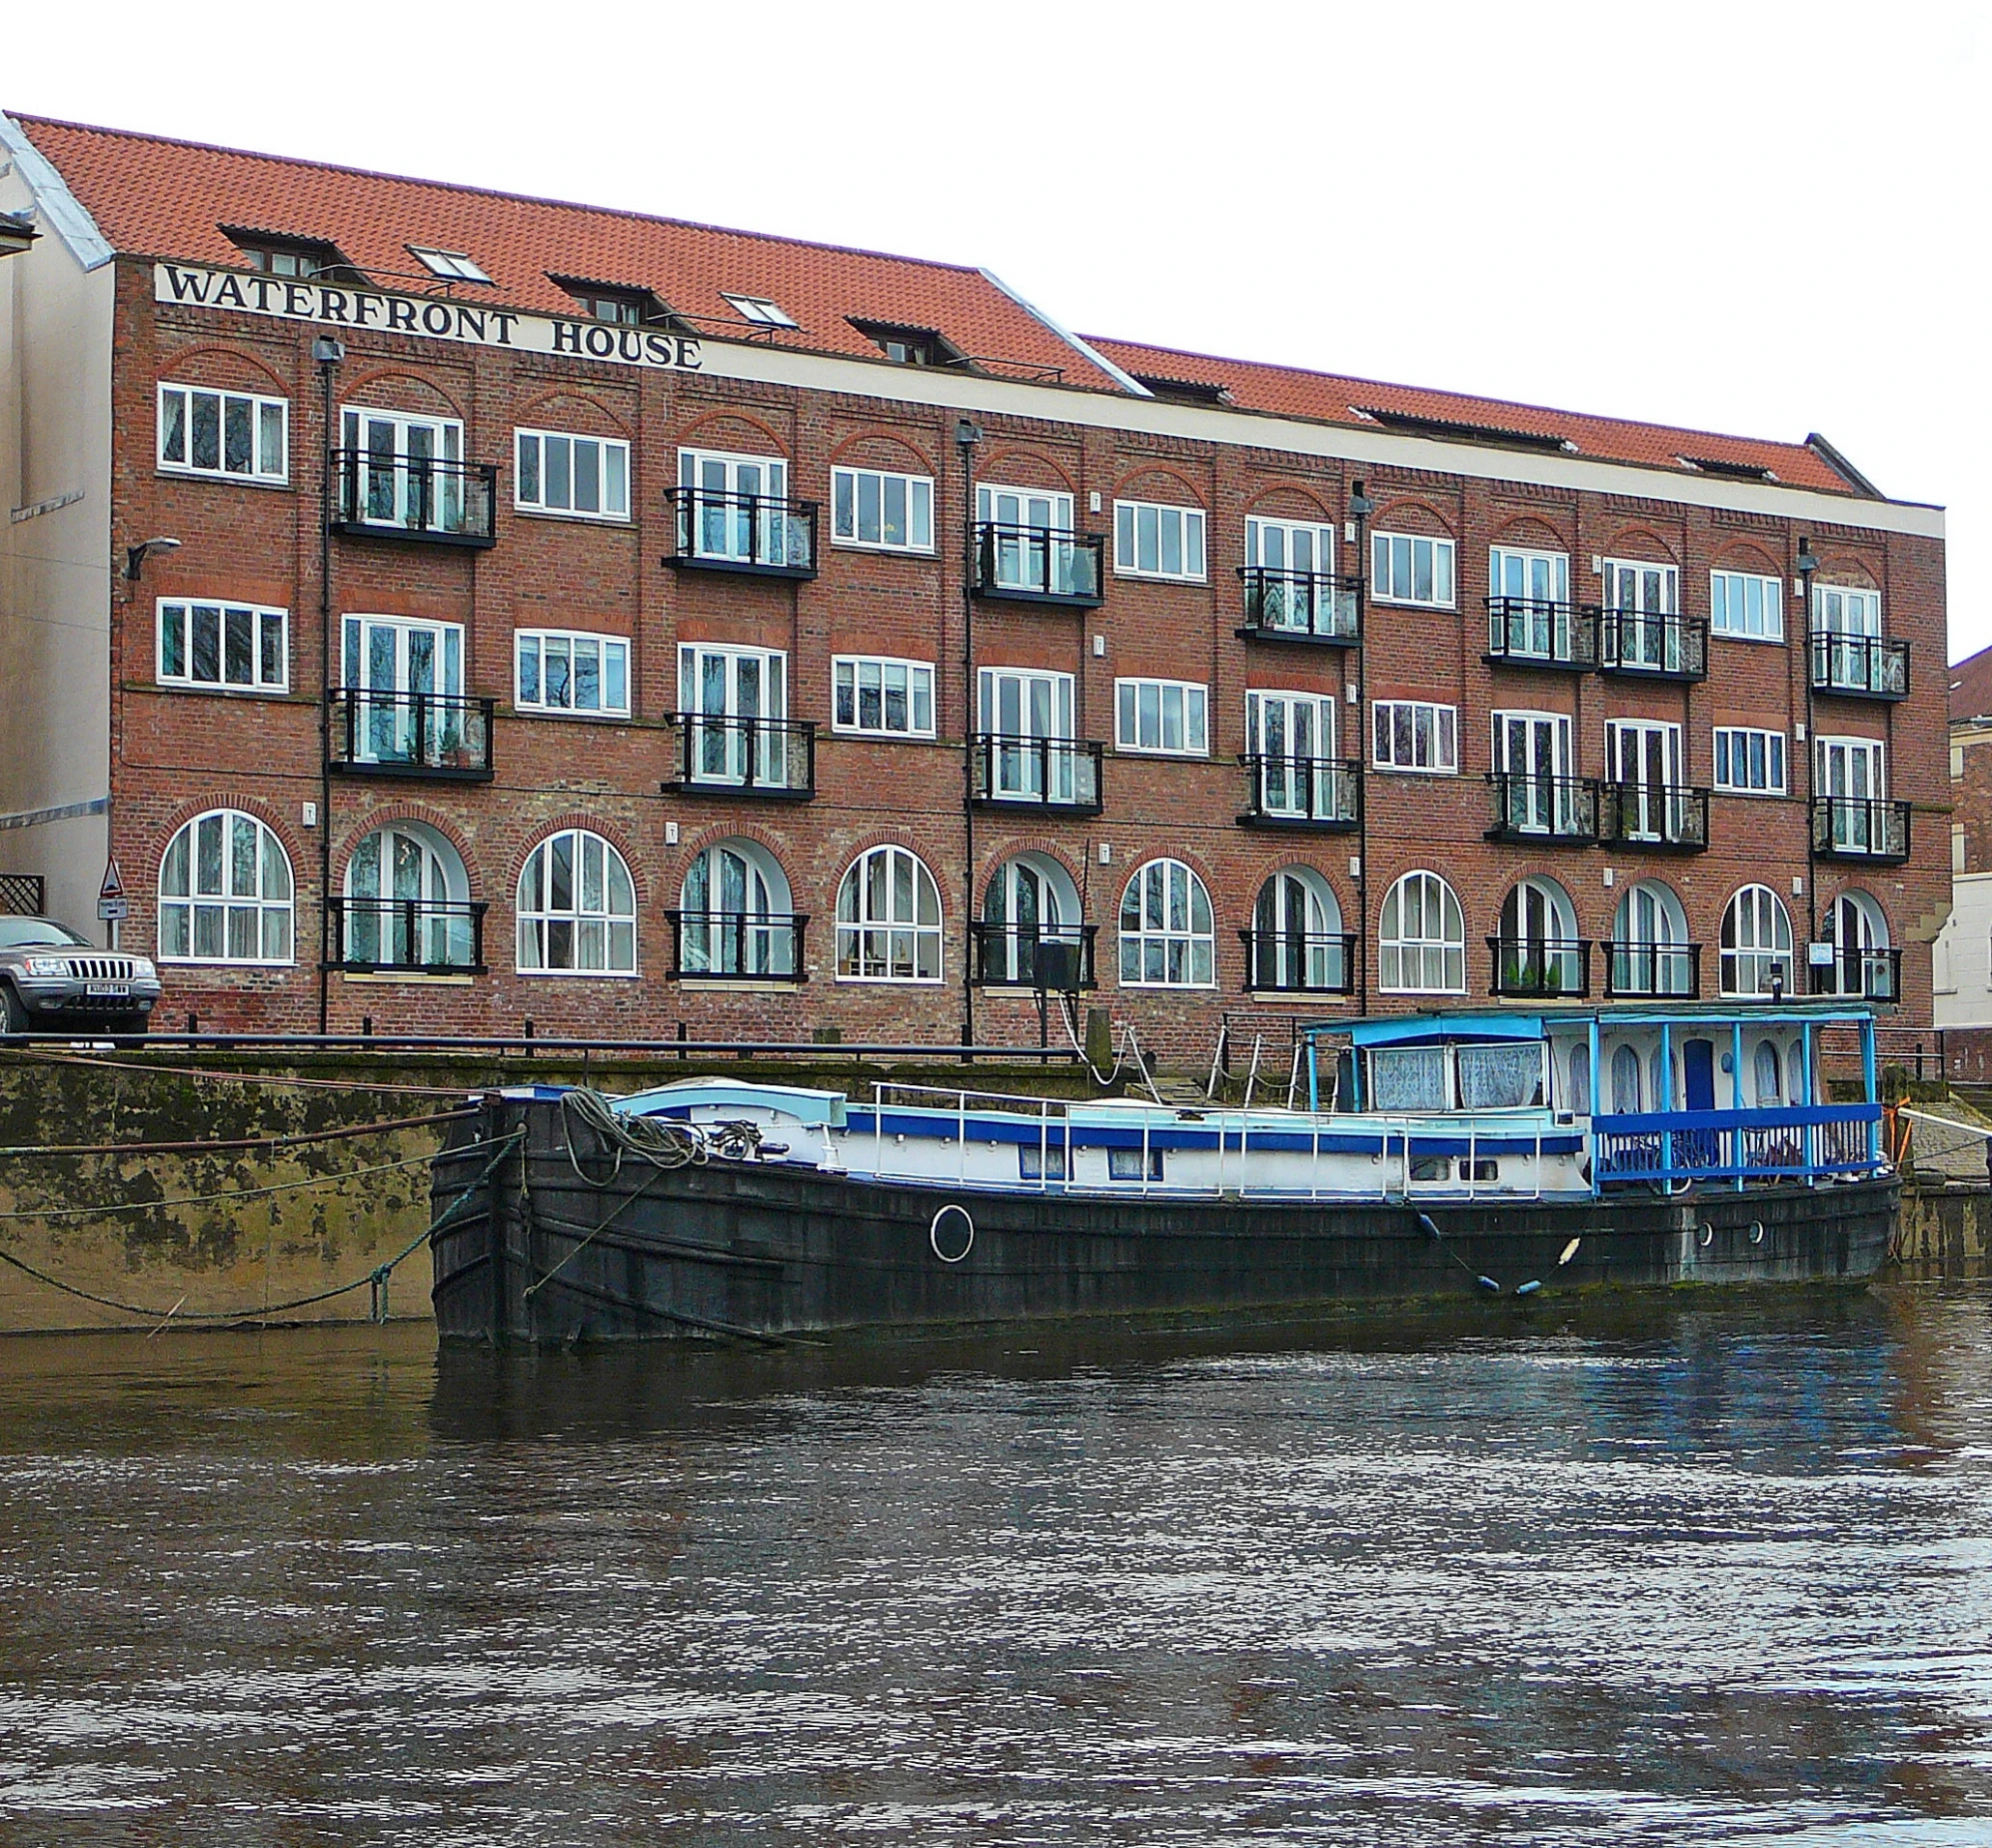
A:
(1651, 953)
(1297, 942)
(1029, 901)
(1579, 1099)
(1166, 938)
(1537, 953)
(577, 909)
(407, 902)
(888, 919)
(225, 893)
(1756, 943)
(1625, 1081)
(734, 916)
(1857, 928)
(1769, 1076)
(1424, 939)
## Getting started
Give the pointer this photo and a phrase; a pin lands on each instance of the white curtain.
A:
(1501, 1077)
(1409, 1078)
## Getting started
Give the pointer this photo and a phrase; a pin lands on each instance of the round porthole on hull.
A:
(952, 1226)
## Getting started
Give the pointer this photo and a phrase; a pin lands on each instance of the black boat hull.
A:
(531, 1250)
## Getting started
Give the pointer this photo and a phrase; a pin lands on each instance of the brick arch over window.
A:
(271, 818)
(225, 369)
(1018, 467)
(882, 449)
(574, 411)
(1408, 514)
(388, 388)
(594, 824)
(396, 814)
(1642, 544)
(996, 858)
(1530, 533)
(735, 432)
(1848, 568)
(1165, 484)
(1744, 555)
(1289, 500)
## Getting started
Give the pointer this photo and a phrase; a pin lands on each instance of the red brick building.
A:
(617, 623)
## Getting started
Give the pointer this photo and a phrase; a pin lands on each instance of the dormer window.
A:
(615, 304)
(451, 264)
(302, 258)
(1729, 470)
(909, 346)
(1185, 391)
(760, 310)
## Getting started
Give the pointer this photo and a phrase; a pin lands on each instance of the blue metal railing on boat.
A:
(1803, 1143)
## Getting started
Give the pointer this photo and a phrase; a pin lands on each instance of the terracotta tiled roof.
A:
(1971, 687)
(153, 196)
(1328, 398)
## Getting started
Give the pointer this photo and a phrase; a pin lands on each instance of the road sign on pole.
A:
(112, 904)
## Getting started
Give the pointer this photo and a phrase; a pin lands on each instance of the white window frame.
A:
(923, 941)
(1383, 576)
(452, 264)
(1857, 603)
(1317, 535)
(259, 616)
(1195, 717)
(261, 406)
(1426, 947)
(1729, 960)
(1197, 944)
(538, 639)
(1442, 725)
(576, 915)
(1740, 736)
(760, 310)
(608, 451)
(262, 902)
(1726, 587)
(850, 671)
(1127, 549)
(918, 491)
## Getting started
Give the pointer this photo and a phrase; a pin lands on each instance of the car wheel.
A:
(12, 1013)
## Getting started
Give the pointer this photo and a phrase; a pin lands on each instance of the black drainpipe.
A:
(328, 352)
(966, 435)
(1360, 507)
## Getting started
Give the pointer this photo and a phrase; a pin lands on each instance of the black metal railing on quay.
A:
(1860, 828)
(737, 945)
(1661, 818)
(1530, 632)
(774, 759)
(1317, 793)
(1651, 971)
(1299, 961)
(1871, 974)
(1056, 774)
(1560, 810)
(1667, 648)
(409, 734)
(412, 936)
(1021, 956)
(1301, 606)
(1539, 968)
(382, 496)
(527, 1044)
(1860, 667)
(1040, 563)
(759, 533)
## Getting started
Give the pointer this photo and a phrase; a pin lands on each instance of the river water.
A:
(1699, 1574)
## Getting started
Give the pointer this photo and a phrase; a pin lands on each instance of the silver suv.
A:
(52, 978)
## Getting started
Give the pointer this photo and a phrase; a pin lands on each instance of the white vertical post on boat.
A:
(1314, 1171)
(1597, 1095)
(878, 1128)
(1538, 1164)
(1737, 1134)
(1045, 1144)
(1473, 1142)
(1293, 1077)
(961, 1135)
(1870, 1089)
(1665, 1101)
(1145, 1157)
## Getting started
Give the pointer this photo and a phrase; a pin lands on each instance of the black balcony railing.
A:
(1530, 632)
(1061, 774)
(1860, 828)
(427, 937)
(401, 497)
(1038, 564)
(1644, 972)
(1299, 961)
(1872, 975)
(1539, 968)
(1318, 793)
(1562, 810)
(1664, 647)
(1019, 956)
(410, 735)
(1660, 817)
(1860, 667)
(737, 945)
(770, 757)
(759, 533)
(1301, 606)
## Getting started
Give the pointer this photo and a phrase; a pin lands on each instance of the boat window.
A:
(1431, 1168)
(1664, 1091)
(1486, 1168)
(1580, 1081)
(1501, 1077)
(1411, 1078)
(1625, 1082)
(1770, 1089)
(1126, 1164)
(1036, 1163)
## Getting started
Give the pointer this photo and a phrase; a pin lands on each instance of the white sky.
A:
(1752, 216)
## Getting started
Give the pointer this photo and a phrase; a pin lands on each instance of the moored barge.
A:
(1435, 1155)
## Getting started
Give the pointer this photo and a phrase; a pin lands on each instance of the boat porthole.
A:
(1706, 1236)
(966, 1233)
(1756, 1231)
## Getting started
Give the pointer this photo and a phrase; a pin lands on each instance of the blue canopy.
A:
(1428, 1029)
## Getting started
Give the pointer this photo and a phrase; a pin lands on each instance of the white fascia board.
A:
(66, 214)
(1333, 442)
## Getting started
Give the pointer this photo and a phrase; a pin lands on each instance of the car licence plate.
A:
(108, 990)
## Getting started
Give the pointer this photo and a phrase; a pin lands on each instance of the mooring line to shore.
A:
(296, 1139)
(377, 1276)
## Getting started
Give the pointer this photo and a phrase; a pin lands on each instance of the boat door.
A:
(1697, 1146)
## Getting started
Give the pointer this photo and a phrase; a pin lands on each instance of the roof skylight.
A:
(451, 263)
(760, 310)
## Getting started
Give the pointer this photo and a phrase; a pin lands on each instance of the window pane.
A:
(586, 475)
(173, 427)
(239, 456)
(615, 486)
(529, 469)
(239, 656)
(207, 643)
(173, 639)
(560, 485)
(273, 666)
(206, 449)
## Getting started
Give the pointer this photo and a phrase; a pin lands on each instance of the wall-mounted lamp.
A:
(134, 555)
(968, 433)
(327, 350)
(17, 231)
(1808, 559)
(1360, 506)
